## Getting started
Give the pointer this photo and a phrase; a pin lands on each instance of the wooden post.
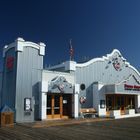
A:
(52, 106)
(61, 106)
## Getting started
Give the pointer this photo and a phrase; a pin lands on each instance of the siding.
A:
(29, 67)
(99, 72)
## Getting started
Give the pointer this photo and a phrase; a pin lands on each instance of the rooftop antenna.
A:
(71, 50)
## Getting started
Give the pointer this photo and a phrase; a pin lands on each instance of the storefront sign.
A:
(131, 87)
(10, 62)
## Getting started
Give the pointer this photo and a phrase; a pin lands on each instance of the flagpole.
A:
(71, 50)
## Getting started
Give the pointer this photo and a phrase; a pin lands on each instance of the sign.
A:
(131, 87)
(117, 66)
(10, 62)
(102, 103)
(82, 99)
(27, 104)
(59, 84)
(61, 87)
(65, 101)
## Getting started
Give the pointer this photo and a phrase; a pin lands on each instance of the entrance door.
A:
(67, 106)
(121, 103)
(109, 104)
(54, 106)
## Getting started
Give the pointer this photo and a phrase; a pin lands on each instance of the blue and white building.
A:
(109, 84)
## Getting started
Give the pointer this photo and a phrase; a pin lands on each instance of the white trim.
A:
(130, 66)
(30, 44)
(20, 43)
(90, 62)
(107, 58)
(99, 59)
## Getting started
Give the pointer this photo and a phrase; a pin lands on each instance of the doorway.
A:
(120, 103)
(59, 106)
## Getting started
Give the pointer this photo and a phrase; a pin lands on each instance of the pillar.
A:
(43, 106)
(76, 101)
(43, 100)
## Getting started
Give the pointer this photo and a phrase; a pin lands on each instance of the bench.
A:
(88, 112)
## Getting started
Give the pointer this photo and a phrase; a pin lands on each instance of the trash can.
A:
(6, 117)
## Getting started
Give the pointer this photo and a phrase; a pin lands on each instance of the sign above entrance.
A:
(59, 84)
(131, 87)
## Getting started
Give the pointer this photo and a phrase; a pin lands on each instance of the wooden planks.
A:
(123, 129)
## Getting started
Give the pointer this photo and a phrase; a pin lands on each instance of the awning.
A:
(122, 89)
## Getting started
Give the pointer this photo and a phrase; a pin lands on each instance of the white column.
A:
(76, 101)
(138, 98)
(43, 106)
(43, 100)
(101, 93)
(76, 105)
(137, 103)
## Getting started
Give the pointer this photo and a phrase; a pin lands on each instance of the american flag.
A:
(71, 50)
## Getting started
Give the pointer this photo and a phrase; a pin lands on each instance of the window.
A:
(82, 86)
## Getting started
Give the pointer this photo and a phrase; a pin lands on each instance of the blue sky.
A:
(95, 26)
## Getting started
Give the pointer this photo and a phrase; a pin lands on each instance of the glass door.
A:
(109, 104)
(57, 106)
(49, 106)
(54, 106)
(121, 103)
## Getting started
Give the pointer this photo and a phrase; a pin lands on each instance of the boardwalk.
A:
(123, 129)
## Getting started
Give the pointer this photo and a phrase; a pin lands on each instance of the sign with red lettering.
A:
(10, 62)
(131, 87)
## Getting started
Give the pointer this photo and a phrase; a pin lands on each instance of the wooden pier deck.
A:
(87, 129)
